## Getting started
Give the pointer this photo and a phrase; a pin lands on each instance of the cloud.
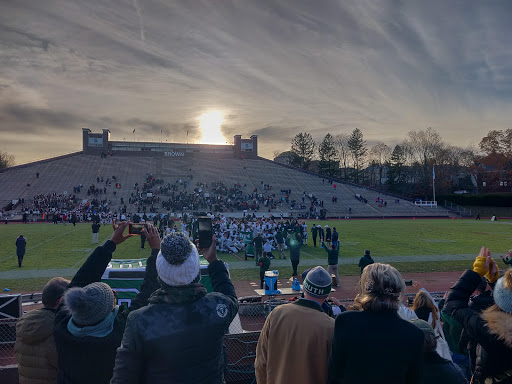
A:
(274, 68)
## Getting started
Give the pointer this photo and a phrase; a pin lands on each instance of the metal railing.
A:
(461, 211)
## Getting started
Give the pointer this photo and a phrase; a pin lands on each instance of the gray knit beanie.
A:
(178, 260)
(91, 304)
(503, 292)
(318, 282)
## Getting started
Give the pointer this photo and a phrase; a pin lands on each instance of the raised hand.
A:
(210, 254)
(152, 236)
(118, 237)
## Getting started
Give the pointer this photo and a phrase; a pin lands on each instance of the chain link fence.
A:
(7, 340)
(239, 345)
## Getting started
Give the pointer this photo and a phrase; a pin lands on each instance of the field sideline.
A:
(413, 245)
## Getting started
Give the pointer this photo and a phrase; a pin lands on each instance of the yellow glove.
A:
(494, 272)
(480, 267)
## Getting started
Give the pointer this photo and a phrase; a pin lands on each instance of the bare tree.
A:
(6, 160)
(379, 154)
(424, 146)
(341, 145)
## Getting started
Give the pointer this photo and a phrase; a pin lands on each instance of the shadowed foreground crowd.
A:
(173, 330)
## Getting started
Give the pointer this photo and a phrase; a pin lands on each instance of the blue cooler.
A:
(271, 282)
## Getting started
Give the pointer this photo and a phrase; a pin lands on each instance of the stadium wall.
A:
(100, 144)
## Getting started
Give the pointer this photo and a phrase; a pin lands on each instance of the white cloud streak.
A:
(275, 67)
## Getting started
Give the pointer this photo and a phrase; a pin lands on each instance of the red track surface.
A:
(432, 282)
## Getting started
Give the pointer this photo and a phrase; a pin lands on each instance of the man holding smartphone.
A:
(167, 341)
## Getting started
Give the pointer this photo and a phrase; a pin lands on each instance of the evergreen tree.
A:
(396, 172)
(303, 146)
(328, 156)
(357, 146)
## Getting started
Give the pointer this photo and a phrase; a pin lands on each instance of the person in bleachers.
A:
(35, 347)
(426, 309)
(179, 337)
(491, 330)
(483, 298)
(374, 345)
(436, 369)
(294, 343)
(89, 326)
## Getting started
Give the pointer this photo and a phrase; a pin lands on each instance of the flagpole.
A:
(434, 182)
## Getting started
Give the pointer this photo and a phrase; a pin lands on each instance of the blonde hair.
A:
(380, 288)
(421, 300)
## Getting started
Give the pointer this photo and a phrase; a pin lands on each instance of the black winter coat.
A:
(21, 244)
(440, 371)
(491, 330)
(294, 244)
(181, 342)
(91, 359)
(375, 348)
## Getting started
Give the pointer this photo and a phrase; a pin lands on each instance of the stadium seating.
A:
(60, 175)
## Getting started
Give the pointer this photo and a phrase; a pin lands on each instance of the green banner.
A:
(246, 237)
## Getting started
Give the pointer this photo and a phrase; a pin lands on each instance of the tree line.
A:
(408, 167)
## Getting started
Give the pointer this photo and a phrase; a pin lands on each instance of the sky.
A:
(271, 68)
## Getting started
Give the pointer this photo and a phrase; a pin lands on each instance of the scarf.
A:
(181, 294)
(101, 329)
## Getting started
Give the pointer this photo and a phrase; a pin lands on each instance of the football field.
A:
(420, 245)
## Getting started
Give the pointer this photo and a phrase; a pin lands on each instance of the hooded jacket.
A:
(35, 348)
(491, 330)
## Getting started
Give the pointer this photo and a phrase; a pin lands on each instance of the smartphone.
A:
(135, 229)
(408, 283)
(205, 231)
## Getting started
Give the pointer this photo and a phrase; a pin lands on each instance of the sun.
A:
(210, 123)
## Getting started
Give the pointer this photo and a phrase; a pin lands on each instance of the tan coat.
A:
(35, 348)
(294, 345)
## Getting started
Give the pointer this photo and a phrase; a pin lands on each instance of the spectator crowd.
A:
(173, 330)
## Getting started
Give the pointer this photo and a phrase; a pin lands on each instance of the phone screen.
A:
(204, 227)
(135, 229)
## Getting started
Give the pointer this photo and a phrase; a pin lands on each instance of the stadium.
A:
(53, 203)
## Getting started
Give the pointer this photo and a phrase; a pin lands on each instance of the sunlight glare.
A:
(210, 123)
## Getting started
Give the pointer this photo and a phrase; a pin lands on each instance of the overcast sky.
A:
(273, 68)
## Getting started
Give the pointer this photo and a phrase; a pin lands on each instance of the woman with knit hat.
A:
(491, 329)
(89, 326)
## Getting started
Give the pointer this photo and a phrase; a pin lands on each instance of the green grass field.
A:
(58, 247)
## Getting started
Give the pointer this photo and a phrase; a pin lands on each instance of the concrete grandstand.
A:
(228, 164)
